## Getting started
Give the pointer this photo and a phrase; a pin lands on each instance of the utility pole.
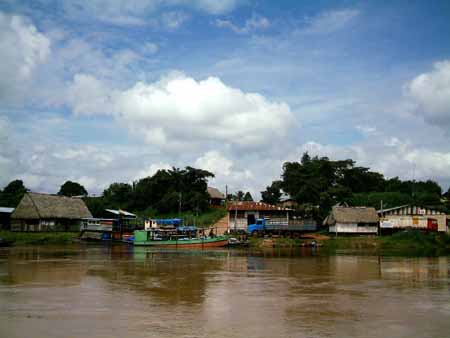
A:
(179, 205)
(382, 216)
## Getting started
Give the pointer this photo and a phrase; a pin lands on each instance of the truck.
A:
(286, 228)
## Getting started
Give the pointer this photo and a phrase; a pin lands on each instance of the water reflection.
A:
(103, 291)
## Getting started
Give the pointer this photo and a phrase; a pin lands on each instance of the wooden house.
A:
(243, 213)
(43, 212)
(216, 198)
(413, 217)
(352, 220)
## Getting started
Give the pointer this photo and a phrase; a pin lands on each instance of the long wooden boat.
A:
(142, 238)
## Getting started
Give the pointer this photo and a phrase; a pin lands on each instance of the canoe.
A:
(193, 243)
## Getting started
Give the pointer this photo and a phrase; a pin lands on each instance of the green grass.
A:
(411, 243)
(204, 219)
(401, 243)
(22, 238)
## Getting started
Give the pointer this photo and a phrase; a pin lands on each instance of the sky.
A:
(105, 91)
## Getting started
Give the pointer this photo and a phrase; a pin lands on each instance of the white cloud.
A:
(22, 49)
(330, 21)
(152, 169)
(215, 162)
(88, 96)
(179, 110)
(256, 22)
(431, 91)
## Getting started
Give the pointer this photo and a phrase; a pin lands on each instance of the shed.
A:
(352, 220)
(44, 212)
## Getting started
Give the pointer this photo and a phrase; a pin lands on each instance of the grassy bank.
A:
(402, 243)
(204, 219)
(33, 238)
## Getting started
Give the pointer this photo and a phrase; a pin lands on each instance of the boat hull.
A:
(195, 243)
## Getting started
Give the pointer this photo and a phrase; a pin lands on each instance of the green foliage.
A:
(373, 199)
(162, 192)
(12, 194)
(203, 219)
(272, 193)
(323, 183)
(248, 197)
(70, 189)
(119, 195)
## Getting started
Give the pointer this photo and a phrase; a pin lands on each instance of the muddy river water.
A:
(117, 291)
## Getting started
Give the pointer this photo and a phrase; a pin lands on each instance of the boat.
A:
(163, 238)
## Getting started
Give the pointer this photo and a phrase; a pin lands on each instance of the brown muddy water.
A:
(118, 291)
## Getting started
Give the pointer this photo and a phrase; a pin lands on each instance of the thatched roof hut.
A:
(351, 215)
(214, 193)
(43, 206)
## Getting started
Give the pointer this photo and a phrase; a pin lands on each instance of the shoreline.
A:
(410, 243)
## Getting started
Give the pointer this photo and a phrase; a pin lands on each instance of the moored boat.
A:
(157, 239)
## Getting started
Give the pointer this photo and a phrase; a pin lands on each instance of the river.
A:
(120, 291)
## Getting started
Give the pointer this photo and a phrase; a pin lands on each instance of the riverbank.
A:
(39, 238)
(402, 243)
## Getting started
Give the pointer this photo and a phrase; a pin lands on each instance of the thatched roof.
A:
(215, 193)
(37, 206)
(254, 206)
(351, 215)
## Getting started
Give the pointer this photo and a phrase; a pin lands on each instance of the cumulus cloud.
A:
(330, 21)
(22, 49)
(215, 162)
(254, 23)
(152, 169)
(431, 92)
(180, 110)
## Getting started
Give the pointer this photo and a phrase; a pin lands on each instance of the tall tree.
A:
(248, 197)
(272, 193)
(70, 189)
(12, 194)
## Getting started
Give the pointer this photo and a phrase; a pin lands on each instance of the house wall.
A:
(353, 228)
(44, 225)
(415, 221)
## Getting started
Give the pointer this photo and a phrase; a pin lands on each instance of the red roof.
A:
(256, 206)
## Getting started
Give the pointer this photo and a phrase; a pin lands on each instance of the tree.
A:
(12, 194)
(70, 189)
(248, 197)
(272, 193)
(119, 195)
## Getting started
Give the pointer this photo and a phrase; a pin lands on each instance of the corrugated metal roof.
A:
(256, 206)
(6, 210)
(120, 212)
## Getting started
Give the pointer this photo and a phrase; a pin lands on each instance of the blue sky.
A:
(102, 91)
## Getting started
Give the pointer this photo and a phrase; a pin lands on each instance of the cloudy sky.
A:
(103, 91)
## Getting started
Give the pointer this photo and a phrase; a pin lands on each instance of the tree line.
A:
(167, 191)
(318, 183)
